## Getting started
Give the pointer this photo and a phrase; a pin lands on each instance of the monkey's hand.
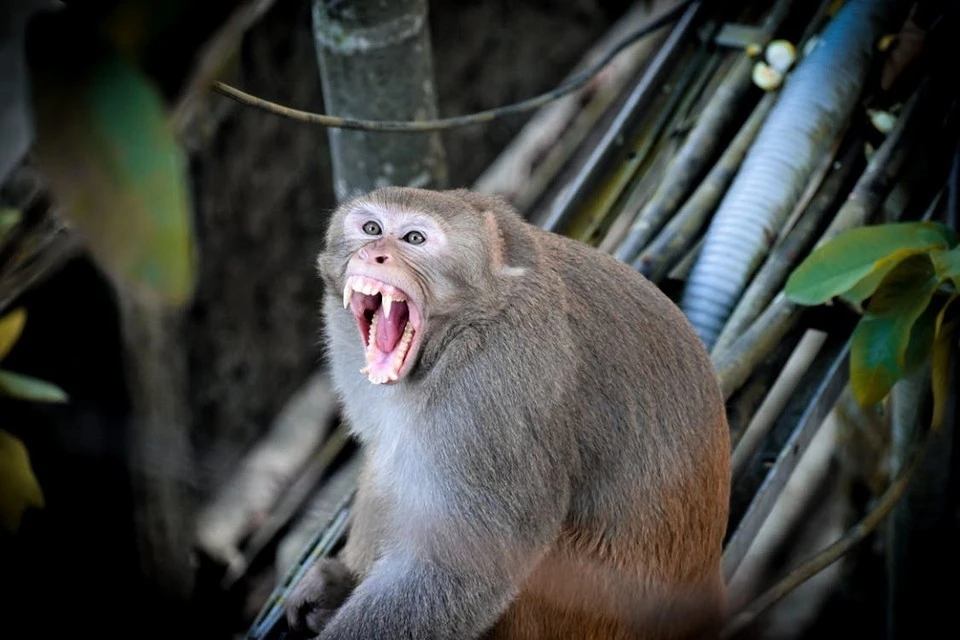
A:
(318, 596)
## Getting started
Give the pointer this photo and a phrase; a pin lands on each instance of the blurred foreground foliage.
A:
(81, 107)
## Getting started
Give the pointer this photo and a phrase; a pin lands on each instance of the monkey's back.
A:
(643, 536)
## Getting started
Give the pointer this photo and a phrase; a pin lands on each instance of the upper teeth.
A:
(370, 287)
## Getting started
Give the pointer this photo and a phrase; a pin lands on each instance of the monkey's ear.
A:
(508, 241)
(502, 247)
(495, 242)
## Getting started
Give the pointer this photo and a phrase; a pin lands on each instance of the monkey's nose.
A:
(374, 255)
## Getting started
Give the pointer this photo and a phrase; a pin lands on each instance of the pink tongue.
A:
(389, 330)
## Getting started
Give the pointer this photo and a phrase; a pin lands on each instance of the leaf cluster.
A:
(105, 143)
(904, 277)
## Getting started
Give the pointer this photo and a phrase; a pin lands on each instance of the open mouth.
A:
(389, 324)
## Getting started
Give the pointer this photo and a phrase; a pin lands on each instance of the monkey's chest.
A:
(405, 474)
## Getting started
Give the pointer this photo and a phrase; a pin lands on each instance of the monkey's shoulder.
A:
(587, 272)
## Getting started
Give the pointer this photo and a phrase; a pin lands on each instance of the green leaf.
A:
(11, 325)
(105, 141)
(940, 363)
(17, 385)
(880, 342)
(947, 264)
(842, 263)
(20, 487)
(881, 268)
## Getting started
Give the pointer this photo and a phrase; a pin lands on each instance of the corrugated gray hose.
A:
(814, 104)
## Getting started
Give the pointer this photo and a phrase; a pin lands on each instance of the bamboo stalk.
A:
(289, 503)
(766, 415)
(741, 620)
(743, 405)
(682, 230)
(783, 258)
(613, 188)
(760, 339)
(698, 149)
(266, 474)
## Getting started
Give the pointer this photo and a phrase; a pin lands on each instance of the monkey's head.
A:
(411, 264)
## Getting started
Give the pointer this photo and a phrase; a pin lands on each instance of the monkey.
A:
(546, 452)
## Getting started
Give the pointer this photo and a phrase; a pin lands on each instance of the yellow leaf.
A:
(19, 489)
(10, 327)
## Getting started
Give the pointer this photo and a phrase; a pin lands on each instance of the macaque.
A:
(546, 453)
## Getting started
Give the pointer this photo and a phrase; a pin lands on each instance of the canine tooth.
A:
(387, 301)
(347, 292)
(365, 370)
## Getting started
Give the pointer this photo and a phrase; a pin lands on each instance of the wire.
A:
(567, 86)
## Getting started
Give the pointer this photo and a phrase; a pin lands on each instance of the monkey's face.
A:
(398, 273)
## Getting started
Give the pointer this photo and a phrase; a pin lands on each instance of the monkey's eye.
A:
(414, 237)
(371, 228)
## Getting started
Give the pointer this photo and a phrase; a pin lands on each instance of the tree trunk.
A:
(376, 63)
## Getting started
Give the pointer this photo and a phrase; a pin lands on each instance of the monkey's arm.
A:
(327, 584)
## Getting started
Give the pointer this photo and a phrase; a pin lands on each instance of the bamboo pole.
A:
(376, 62)
(681, 232)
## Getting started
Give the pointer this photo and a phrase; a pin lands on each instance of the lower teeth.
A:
(397, 361)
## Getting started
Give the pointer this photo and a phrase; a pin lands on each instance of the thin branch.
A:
(567, 86)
